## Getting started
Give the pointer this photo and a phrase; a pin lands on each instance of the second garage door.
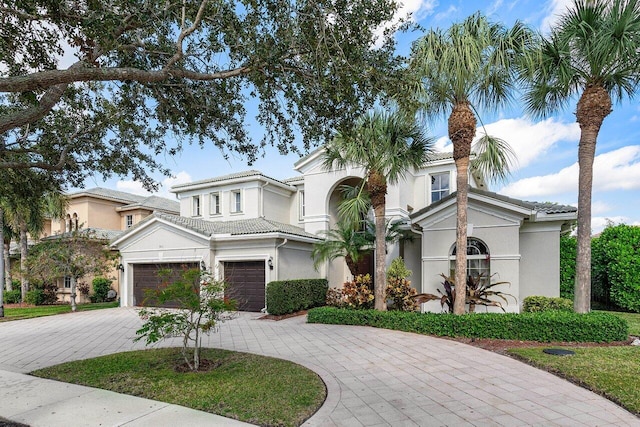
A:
(146, 278)
(246, 284)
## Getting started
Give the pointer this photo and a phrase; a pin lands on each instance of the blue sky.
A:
(546, 149)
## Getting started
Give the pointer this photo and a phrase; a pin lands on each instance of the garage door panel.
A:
(246, 284)
(146, 278)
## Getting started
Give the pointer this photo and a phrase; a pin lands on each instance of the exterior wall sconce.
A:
(270, 264)
(121, 267)
(203, 266)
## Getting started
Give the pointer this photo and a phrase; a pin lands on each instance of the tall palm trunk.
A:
(594, 105)
(23, 259)
(377, 188)
(462, 129)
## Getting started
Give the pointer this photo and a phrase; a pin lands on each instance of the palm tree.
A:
(25, 213)
(386, 146)
(593, 53)
(467, 68)
(343, 241)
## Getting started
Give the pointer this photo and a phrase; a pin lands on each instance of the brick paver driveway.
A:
(373, 376)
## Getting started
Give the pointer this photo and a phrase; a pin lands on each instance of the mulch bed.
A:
(284, 316)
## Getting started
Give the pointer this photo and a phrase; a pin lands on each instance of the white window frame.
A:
(215, 203)
(439, 191)
(236, 201)
(301, 205)
(479, 260)
(196, 206)
(128, 221)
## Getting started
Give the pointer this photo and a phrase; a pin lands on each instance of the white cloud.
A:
(135, 187)
(554, 10)
(494, 7)
(598, 207)
(615, 170)
(414, 10)
(529, 140)
(447, 13)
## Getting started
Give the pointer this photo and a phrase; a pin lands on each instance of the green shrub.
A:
(536, 304)
(289, 296)
(398, 269)
(101, 287)
(616, 260)
(568, 245)
(34, 297)
(12, 297)
(543, 327)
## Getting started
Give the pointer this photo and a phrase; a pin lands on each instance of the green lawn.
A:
(256, 389)
(611, 371)
(19, 313)
(633, 319)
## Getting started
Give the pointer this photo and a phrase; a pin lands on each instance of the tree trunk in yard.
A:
(73, 293)
(594, 105)
(462, 129)
(23, 260)
(7, 266)
(2, 264)
(377, 188)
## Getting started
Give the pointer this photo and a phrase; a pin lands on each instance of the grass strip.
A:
(19, 313)
(613, 372)
(251, 388)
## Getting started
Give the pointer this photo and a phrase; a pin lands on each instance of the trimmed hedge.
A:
(289, 296)
(13, 297)
(535, 304)
(544, 327)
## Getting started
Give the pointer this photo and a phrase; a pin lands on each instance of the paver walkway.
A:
(373, 376)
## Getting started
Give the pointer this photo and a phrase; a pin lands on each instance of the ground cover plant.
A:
(283, 393)
(19, 313)
(611, 371)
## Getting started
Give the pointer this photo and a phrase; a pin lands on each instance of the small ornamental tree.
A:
(201, 306)
(75, 255)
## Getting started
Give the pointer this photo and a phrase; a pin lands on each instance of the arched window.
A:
(75, 221)
(478, 259)
(67, 223)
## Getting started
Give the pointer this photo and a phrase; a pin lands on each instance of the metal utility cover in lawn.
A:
(558, 352)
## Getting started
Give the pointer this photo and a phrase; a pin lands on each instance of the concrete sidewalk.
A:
(40, 402)
(374, 377)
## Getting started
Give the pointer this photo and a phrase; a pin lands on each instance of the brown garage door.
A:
(145, 277)
(245, 284)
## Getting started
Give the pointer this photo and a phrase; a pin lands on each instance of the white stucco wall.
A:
(540, 263)
(498, 230)
(294, 262)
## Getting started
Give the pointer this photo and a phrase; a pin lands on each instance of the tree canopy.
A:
(150, 73)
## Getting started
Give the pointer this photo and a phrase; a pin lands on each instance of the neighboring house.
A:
(105, 214)
(250, 229)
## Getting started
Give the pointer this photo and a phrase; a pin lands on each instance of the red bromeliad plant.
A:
(480, 291)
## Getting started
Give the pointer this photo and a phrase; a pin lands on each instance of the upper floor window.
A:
(129, 221)
(195, 210)
(301, 204)
(439, 186)
(236, 201)
(478, 259)
(67, 282)
(214, 199)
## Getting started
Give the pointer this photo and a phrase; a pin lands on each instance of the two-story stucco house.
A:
(250, 229)
(105, 213)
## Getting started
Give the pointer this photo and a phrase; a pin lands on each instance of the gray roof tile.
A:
(108, 193)
(156, 203)
(546, 207)
(235, 228)
(236, 175)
